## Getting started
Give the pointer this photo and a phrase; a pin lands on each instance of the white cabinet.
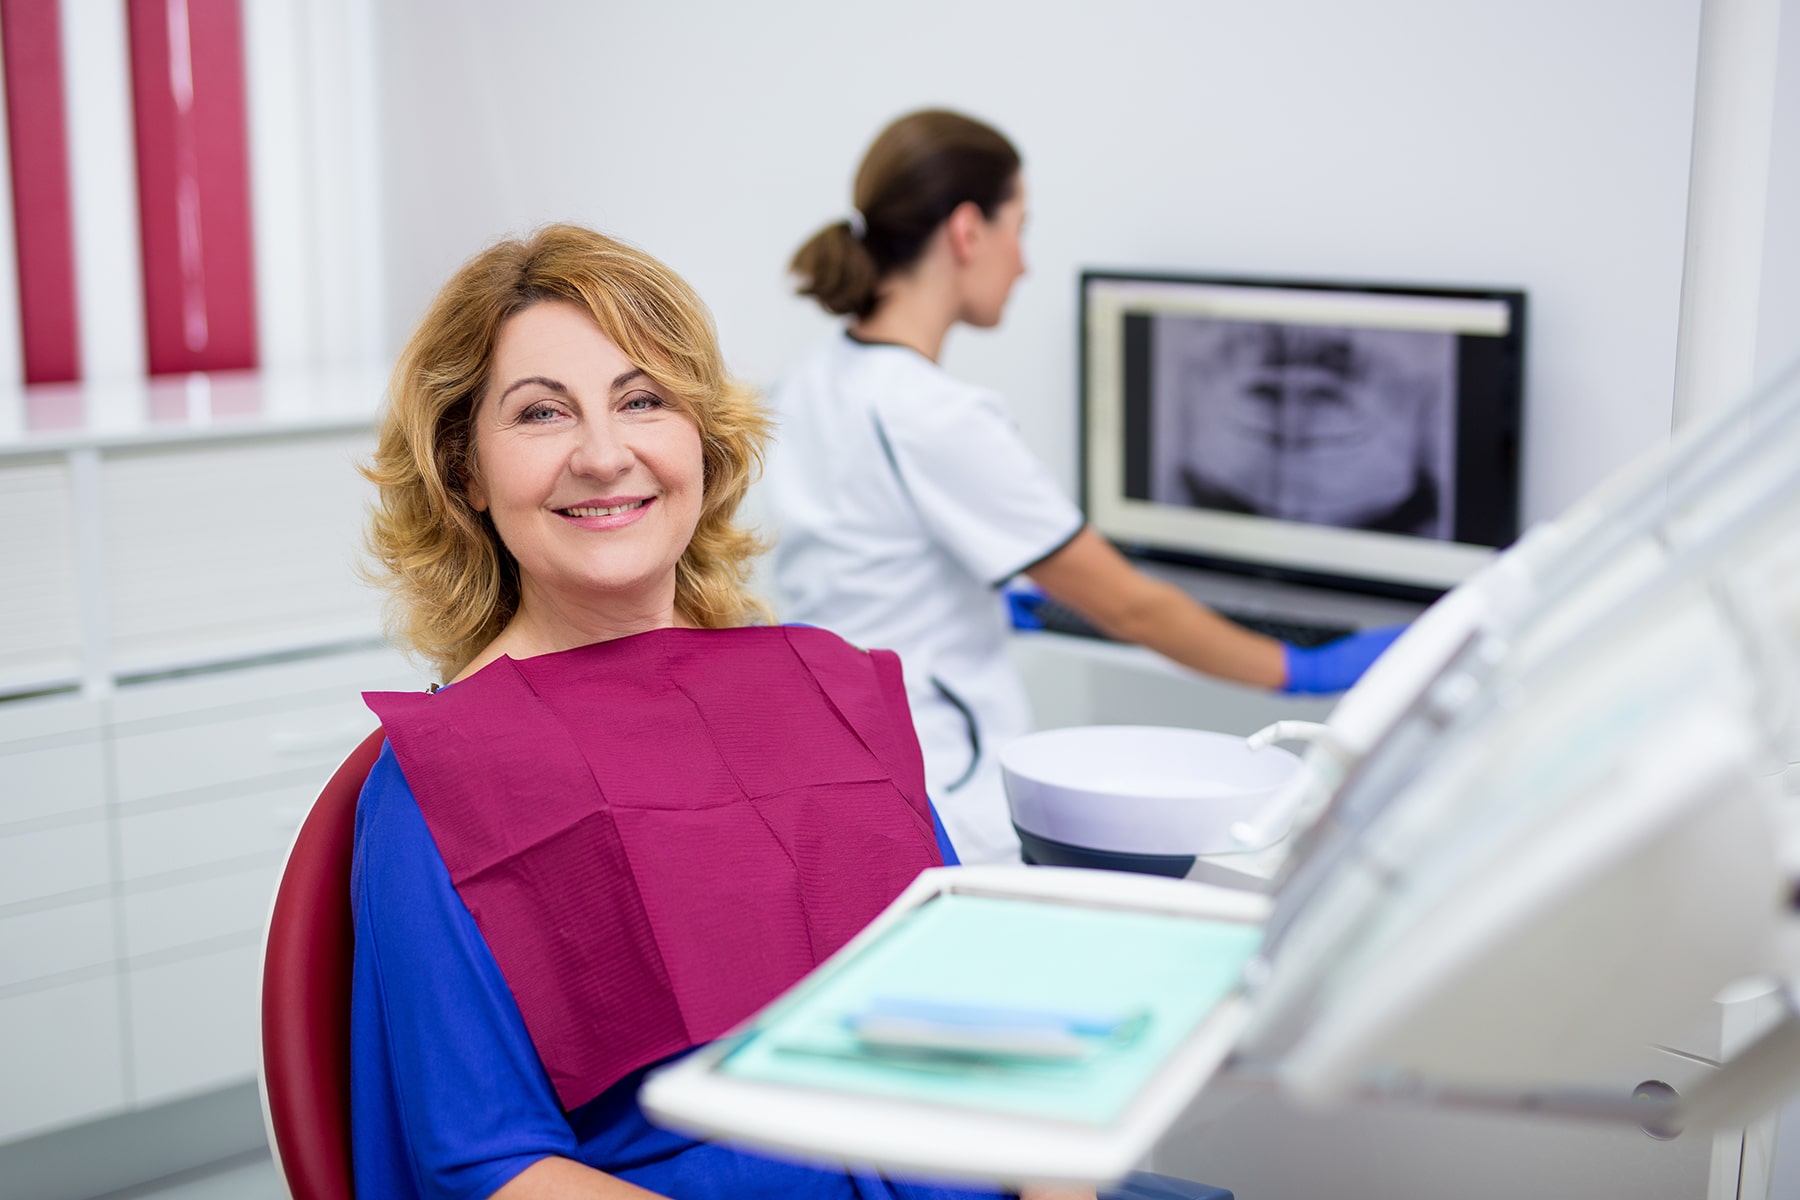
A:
(58, 864)
(60, 1027)
(228, 550)
(170, 918)
(62, 1054)
(183, 644)
(137, 859)
(51, 761)
(48, 942)
(192, 1022)
(40, 639)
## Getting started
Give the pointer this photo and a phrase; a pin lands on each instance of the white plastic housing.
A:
(1139, 789)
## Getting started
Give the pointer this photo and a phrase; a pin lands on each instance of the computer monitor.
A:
(1362, 436)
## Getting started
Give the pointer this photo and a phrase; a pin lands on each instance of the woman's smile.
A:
(606, 514)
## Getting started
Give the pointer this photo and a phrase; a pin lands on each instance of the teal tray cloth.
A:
(1007, 952)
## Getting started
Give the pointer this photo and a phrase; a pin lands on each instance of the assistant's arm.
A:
(1097, 581)
(1093, 578)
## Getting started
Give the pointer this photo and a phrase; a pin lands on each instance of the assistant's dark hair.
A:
(917, 172)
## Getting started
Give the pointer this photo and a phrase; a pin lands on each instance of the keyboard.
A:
(1060, 618)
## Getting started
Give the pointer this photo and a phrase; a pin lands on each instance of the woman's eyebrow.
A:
(562, 389)
(540, 380)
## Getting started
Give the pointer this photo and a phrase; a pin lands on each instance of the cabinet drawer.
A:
(194, 1024)
(61, 1057)
(50, 862)
(166, 918)
(51, 761)
(38, 944)
(52, 782)
(260, 687)
(27, 722)
(213, 831)
(189, 576)
(40, 641)
(229, 750)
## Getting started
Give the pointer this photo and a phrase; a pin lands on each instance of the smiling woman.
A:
(592, 478)
(632, 819)
(585, 301)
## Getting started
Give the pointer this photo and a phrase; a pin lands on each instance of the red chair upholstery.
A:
(305, 1069)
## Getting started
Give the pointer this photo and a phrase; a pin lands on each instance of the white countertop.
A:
(55, 418)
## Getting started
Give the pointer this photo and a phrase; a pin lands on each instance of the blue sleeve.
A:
(943, 840)
(448, 1096)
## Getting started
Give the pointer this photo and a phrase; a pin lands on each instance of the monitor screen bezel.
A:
(1449, 562)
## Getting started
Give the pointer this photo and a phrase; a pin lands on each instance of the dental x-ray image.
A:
(1344, 426)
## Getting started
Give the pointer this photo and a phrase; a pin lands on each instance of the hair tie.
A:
(859, 228)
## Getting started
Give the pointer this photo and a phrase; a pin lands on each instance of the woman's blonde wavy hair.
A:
(452, 584)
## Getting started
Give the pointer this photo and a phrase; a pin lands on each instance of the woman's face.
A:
(592, 475)
(997, 261)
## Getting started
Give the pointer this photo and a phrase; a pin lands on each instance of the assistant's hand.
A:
(1023, 599)
(1334, 666)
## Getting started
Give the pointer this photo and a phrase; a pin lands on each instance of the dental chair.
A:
(304, 1071)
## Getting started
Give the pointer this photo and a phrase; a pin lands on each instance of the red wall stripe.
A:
(187, 80)
(43, 227)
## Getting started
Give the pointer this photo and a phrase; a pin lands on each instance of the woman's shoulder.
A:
(386, 807)
(394, 852)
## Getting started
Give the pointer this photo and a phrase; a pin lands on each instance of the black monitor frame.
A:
(1489, 436)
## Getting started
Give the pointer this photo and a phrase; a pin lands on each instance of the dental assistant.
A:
(905, 498)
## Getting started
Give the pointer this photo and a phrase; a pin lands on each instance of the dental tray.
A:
(995, 1024)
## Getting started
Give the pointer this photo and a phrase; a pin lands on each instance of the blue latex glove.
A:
(1022, 600)
(1334, 666)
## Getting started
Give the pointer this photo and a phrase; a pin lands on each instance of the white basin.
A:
(1141, 789)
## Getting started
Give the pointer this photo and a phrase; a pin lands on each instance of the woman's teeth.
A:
(609, 511)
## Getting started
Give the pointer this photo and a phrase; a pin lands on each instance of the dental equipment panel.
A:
(1547, 827)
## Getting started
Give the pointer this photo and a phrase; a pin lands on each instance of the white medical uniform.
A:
(904, 498)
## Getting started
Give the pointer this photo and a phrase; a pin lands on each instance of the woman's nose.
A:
(600, 453)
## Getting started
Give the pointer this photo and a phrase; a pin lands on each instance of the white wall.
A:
(1778, 332)
(1538, 143)
(109, 280)
(315, 178)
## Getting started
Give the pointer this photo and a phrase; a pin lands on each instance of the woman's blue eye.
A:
(643, 403)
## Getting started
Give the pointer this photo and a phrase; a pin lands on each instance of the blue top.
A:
(448, 1097)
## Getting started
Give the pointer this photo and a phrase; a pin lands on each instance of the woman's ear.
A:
(965, 225)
